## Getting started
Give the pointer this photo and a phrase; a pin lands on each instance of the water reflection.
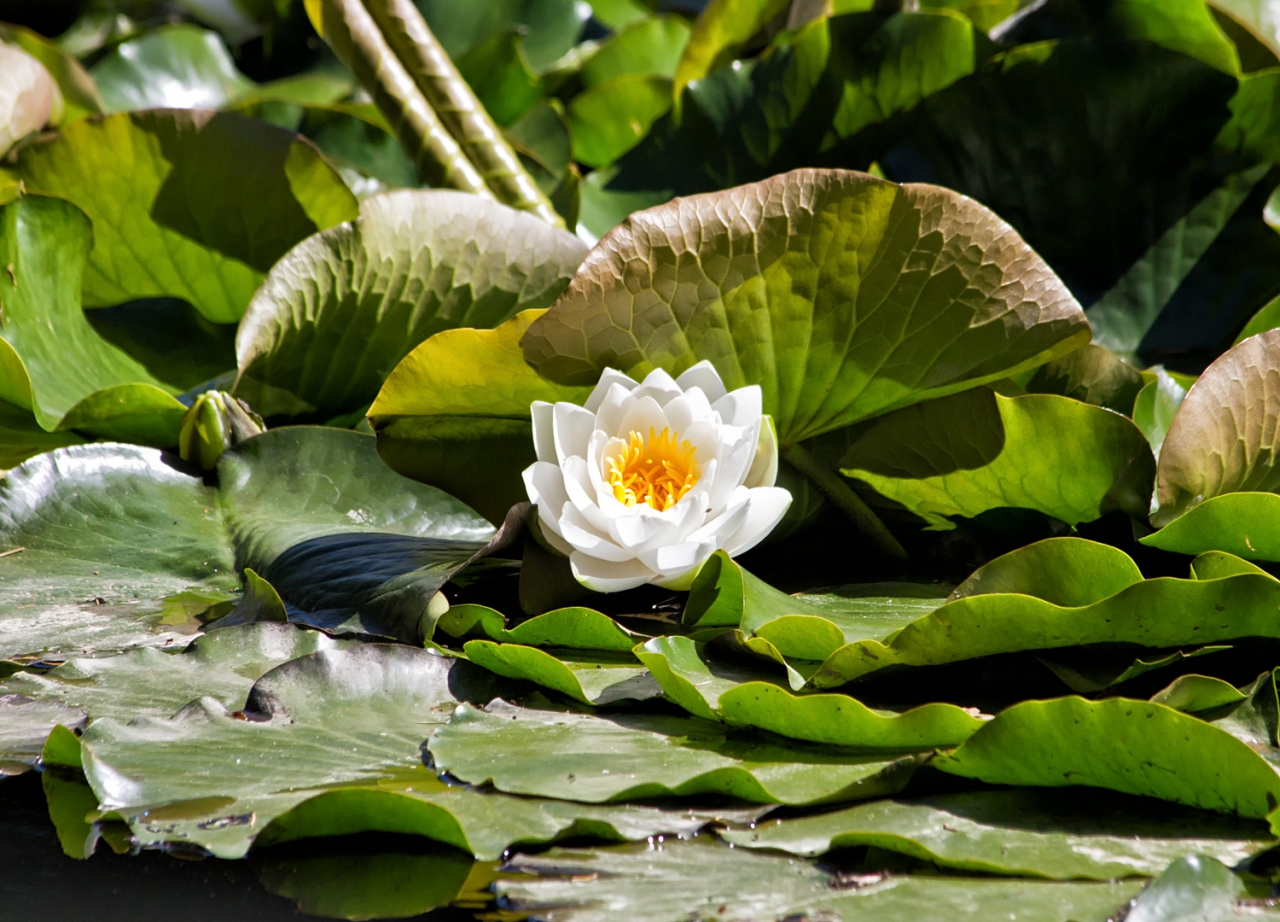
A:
(372, 877)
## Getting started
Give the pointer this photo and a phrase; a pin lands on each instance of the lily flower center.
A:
(657, 471)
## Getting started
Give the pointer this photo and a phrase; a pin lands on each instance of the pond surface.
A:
(356, 877)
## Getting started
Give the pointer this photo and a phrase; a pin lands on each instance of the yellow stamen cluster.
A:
(658, 471)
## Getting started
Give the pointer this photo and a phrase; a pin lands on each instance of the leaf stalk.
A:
(840, 493)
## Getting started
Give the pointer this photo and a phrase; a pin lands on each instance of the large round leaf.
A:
(187, 203)
(336, 315)
(174, 67)
(1224, 438)
(841, 295)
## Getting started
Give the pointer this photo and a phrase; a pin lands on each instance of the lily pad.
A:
(1160, 613)
(455, 414)
(484, 824)
(363, 294)
(221, 665)
(1134, 747)
(571, 628)
(677, 879)
(334, 717)
(619, 312)
(173, 67)
(593, 678)
(1242, 523)
(311, 509)
(707, 689)
(977, 451)
(51, 360)
(598, 758)
(26, 725)
(139, 177)
(1091, 375)
(1196, 887)
(1021, 832)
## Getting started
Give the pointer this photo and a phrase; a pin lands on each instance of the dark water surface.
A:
(354, 877)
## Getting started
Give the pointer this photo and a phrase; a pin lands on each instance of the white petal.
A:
(735, 460)
(545, 485)
(703, 376)
(607, 576)
(544, 442)
(768, 506)
(615, 406)
(644, 415)
(764, 469)
(573, 428)
(660, 386)
(645, 528)
(579, 533)
(676, 559)
(706, 438)
(561, 545)
(687, 409)
(741, 407)
(727, 523)
(608, 378)
(577, 484)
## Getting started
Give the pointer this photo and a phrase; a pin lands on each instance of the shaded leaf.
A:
(1154, 409)
(595, 759)
(1027, 833)
(1196, 886)
(188, 204)
(651, 46)
(617, 312)
(360, 296)
(972, 452)
(610, 118)
(1091, 375)
(721, 30)
(571, 628)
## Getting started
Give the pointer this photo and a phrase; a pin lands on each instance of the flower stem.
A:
(840, 493)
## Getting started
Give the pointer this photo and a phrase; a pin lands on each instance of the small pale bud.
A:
(215, 422)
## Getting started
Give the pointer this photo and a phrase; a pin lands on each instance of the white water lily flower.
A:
(646, 481)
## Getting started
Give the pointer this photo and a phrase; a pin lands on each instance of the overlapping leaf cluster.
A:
(272, 318)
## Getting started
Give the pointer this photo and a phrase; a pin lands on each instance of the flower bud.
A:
(215, 422)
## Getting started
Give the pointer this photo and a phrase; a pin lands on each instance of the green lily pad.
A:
(681, 879)
(652, 46)
(597, 758)
(362, 295)
(483, 824)
(1242, 524)
(1161, 613)
(139, 176)
(1198, 693)
(1087, 671)
(21, 436)
(609, 119)
(1155, 407)
(1065, 571)
(1021, 832)
(726, 595)
(173, 67)
(571, 628)
(1213, 447)
(26, 725)
(455, 414)
(785, 220)
(346, 542)
(51, 360)
(222, 665)
(969, 453)
(592, 678)
(332, 718)
(1134, 747)
(722, 28)
(709, 690)
(1193, 887)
